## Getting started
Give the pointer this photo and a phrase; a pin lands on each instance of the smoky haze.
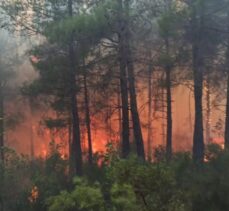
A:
(25, 125)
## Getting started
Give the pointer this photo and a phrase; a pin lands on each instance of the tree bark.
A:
(119, 115)
(198, 67)
(76, 141)
(149, 138)
(132, 90)
(88, 120)
(163, 123)
(226, 135)
(76, 150)
(125, 111)
(208, 111)
(168, 70)
(70, 136)
(169, 115)
(123, 85)
(134, 108)
(32, 152)
(198, 138)
(1, 124)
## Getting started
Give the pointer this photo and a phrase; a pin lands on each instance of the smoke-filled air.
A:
(114, 105)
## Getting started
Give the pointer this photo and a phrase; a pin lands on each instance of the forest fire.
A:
(104, 132)
(42, 137)
(114, 105)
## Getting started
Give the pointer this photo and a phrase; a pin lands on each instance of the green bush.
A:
(117, 184)
(84, 197)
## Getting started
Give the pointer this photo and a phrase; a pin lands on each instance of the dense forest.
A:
(114, 105)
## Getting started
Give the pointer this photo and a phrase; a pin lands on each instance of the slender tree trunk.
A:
(149, 138)
(70, 137)
(1, 124)
(208, 111)
(190, 112)
(226, 135)
(168, 70)
(198, 65)
(110, 123)
(119, 116)
(132, 90)
(169, 115)
(88, 120)
(31, 131)
(76, 150)
(134, 108)
(76, 140)
(125, 112)
(198, 139)
(123, 85)
(2, 203)
(163, 124)
(31, 141)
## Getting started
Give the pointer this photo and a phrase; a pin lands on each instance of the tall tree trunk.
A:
(119, 116)
(31, 140)
(132, 90)
(168, 70)
(70, 136)
(149, 138)
(198, 67)
(125, 111)
(226, 135)
(88, 120)
(76, 140)
(163, 123)
(208, 111)
(2, 131)
(123, 85)
(134, 110)
(76, 150)
(31, 130)
(133, 107)
(198, 139)
(1, 124)
(169, 115)
(190, 111)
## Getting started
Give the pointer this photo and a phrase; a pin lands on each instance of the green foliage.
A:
(94, 25)
(84, 197)
(168, 24)
(49, 176)
(19, 176)
(62, 202)
(213, 151)
(14, 181)
(154, 185)
(123, 197)
(117, 185)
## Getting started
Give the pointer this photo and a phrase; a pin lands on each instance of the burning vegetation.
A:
(114, 105)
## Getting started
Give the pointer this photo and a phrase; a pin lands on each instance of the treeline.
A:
(102, 45)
